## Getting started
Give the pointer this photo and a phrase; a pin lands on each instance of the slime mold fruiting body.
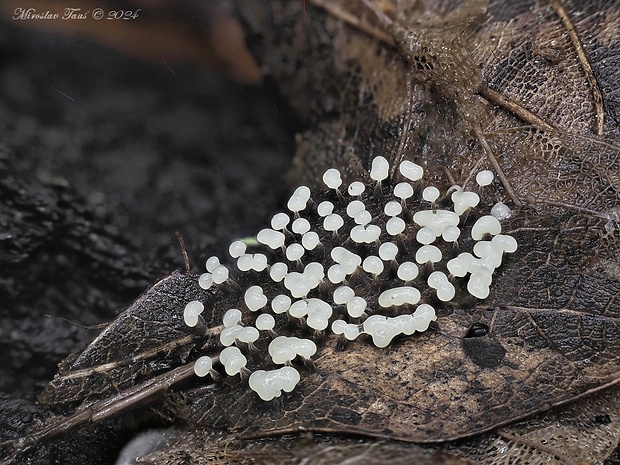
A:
(369, 262)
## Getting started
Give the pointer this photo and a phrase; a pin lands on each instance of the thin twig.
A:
(570, 206)
(354, 21)
(184, 252)
(498, 169)
(585, 64)
(97, 412)
(404, 135)
(471, 172)
(489, 94)
(514, 108)
(378, 13)
(448, 174)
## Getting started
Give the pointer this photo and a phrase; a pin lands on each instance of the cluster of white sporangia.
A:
(347, 222)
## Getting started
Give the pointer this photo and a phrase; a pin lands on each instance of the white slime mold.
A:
(364, 264)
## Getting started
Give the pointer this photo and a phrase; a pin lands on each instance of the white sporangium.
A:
(348, 258)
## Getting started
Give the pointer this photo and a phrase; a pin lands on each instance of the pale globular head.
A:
(363, 265)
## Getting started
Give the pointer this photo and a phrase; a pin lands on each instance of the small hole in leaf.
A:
(477, 330)
(603, 419)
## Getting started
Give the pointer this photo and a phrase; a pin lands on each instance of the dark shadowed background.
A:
(98, 149)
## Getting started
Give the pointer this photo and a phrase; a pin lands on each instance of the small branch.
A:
(514, 108)
(471, 172)
(404, 135)
(570, 206)
(97, 412)
(184, 252)
(354, 21)
(449, 176)
(498, 169)
(585, 64)
(378, 13)
(489, 94)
